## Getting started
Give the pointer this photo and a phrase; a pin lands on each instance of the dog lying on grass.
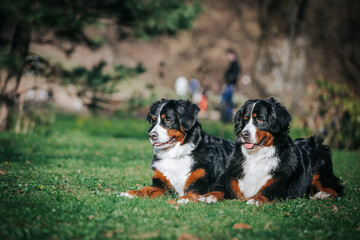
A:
(186, 159)
(269, 165)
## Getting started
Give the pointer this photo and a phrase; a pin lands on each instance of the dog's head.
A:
(259, 122)
(170, 120)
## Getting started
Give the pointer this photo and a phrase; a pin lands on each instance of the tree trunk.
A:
(18, 52)
(279, 68)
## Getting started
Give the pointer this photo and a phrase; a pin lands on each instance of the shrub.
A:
(339, 111)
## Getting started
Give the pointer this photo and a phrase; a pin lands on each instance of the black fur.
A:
(300, 159)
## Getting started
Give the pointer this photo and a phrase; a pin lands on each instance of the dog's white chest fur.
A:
(257, 167)
(175, 164)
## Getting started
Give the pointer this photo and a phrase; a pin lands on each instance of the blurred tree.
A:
(23, 22)
(95, 84)
(296, 34)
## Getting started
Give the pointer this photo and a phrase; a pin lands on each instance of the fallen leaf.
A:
(139, 185)
(91, 217)
(241, 226)
(108, 189)
(2, 173)
(335, 209)
(287, 214)
(358, 229)
(187, 236)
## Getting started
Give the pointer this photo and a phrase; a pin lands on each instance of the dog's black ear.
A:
(238, 119)
(187, 113)
(279, 117)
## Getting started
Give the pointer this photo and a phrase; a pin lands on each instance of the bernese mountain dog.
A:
(268, 165)
(186, 159)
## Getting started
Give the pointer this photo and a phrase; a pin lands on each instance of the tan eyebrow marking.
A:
(254, 114)
(163, 116)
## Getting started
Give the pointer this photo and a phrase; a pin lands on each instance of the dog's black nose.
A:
(245, 134)
(153, 135)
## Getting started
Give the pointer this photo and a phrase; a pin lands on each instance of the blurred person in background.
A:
(231, 75)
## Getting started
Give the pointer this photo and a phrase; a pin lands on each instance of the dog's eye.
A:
(167, 120)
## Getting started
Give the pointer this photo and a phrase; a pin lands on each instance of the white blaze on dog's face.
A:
(251, 129)
(169, 120)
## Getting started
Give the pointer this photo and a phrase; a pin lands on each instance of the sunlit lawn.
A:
(63, 182)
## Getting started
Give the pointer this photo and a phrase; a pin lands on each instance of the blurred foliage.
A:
(150, 18)
(69, 18)
(95, 83)
(340, 111)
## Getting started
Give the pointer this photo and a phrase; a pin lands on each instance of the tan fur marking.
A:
(246, 118)
(194, 176)
(254, 115)
(234, 184)
(268, 137)
(261, 198)
(219, 196)
(163, 116)
(267, 184)
(191, 196)
(331, 191)
(159, 175)
(153, 118)
(151, 192)
(316, 186)
(179, 135)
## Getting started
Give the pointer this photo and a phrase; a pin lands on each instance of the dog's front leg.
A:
(160, 185)
(195, 184)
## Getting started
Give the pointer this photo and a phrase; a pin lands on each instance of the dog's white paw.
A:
(208, 199)
(183, 201)
(321, 195)
(127, 195)
(253, 202)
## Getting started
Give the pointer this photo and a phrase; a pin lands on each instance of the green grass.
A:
(64, 182)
